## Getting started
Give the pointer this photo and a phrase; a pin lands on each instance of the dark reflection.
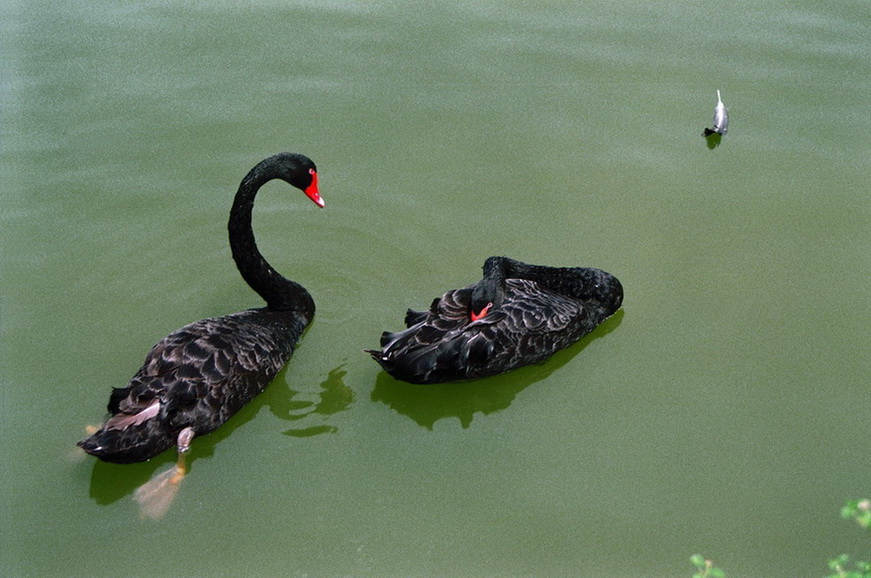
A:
(426, 404)
(111, 482)
(155, 483)
(712, 139)
(333, 398)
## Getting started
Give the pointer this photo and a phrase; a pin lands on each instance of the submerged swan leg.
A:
(184, 444)
(156, 496)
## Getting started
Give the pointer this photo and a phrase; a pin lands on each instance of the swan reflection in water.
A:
(333, 398)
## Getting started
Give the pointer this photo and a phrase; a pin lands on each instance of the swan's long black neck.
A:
(280, 293)
(576, 282)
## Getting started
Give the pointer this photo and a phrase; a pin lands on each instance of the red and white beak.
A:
(312, 191)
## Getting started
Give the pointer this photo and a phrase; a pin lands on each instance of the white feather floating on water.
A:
(721, 119)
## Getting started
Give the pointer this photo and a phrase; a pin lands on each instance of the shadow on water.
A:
(155, 491)
(713, 140)
(426, 404)
(333, 398)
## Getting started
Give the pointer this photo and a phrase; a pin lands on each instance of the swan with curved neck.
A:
(196, 378)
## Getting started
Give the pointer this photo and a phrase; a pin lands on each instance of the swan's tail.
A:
(136, 443)
(375, 353)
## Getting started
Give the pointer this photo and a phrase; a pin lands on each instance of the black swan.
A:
(516, 315)
(194, 379)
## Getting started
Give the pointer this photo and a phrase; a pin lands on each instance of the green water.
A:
(724, 411)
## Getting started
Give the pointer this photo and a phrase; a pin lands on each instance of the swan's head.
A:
(487, 295)
(301, 172)
(604, 288)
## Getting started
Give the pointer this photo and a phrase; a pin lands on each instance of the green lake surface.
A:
(723, 411)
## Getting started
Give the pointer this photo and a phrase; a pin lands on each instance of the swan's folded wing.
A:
(529, 308)
(214, 349)
(454, 305)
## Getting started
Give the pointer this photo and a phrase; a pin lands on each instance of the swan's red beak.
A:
(312, 190)
(483, 313)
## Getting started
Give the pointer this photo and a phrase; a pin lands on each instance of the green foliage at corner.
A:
(841, 566)
(705, 568)
(860, 512)
(857, 510)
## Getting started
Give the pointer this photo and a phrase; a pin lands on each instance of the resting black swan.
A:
(194, 379)
(516, 315)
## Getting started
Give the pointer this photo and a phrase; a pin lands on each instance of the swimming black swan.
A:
(516, 315)
(194, 379)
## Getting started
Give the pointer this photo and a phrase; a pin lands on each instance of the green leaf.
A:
(842, 559)
(850, 508)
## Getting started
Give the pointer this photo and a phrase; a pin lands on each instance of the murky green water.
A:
(725, 411)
